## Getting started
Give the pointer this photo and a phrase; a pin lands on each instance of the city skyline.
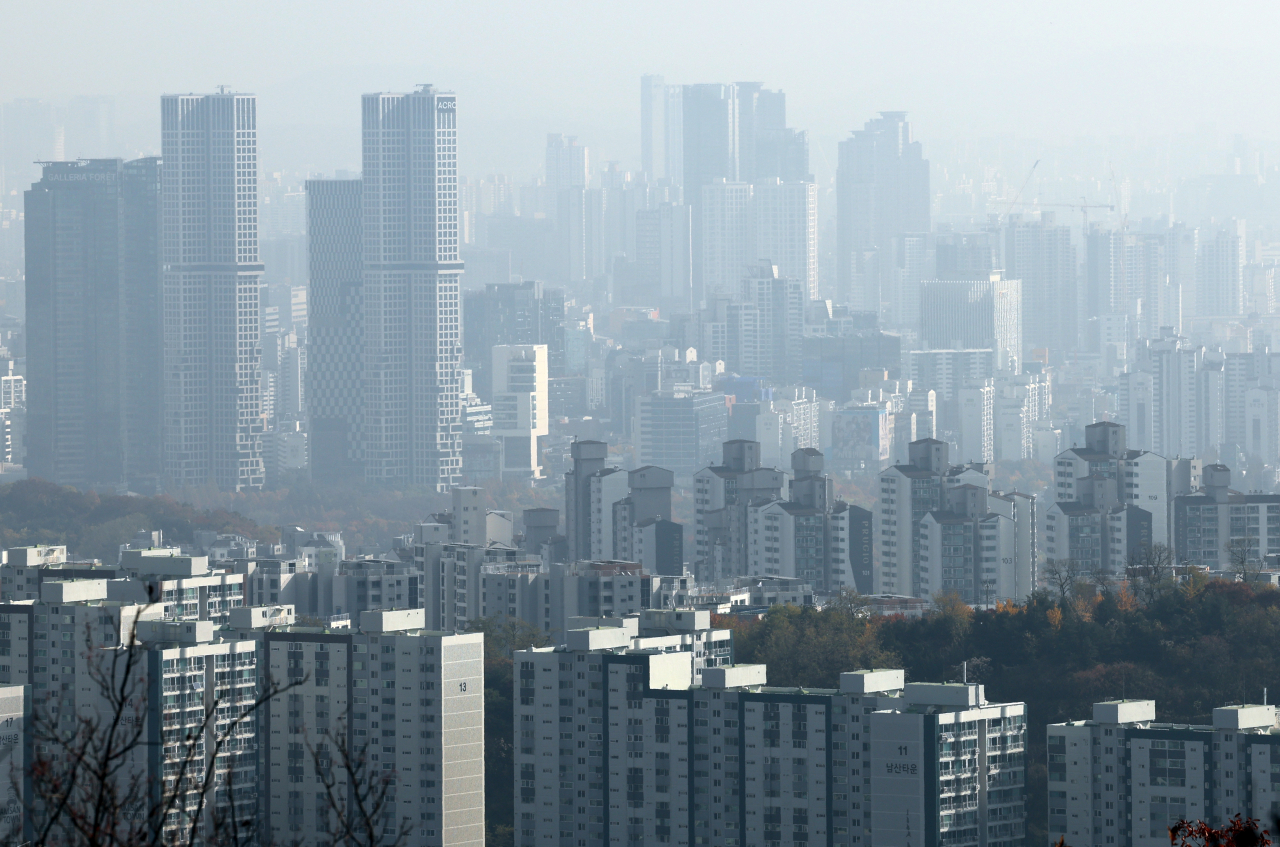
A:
(1098, 73)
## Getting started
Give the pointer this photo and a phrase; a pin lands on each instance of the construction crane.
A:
(1018, 196)
(1084, 208)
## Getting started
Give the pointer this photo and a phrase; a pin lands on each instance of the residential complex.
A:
(733, 761)
(1124, 778)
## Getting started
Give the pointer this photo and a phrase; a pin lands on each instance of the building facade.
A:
(732, 761)
(1124, 778)
(335, 325)
(213, 420)
(412, 321)
(94, 326)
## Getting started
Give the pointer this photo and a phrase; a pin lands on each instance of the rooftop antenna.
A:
(964, 671)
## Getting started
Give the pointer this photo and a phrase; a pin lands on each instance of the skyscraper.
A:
(786, 229)
(209, 246)
(727, 232)
(1040, 253)
(568, 163)
(882, 190)
(1220, 262)
(412, 335)
(710, 153)
(93, 323)
(664, 253)
(972, 315)
(521, 416)
(335, 363)
(653, 126)
(768, 148)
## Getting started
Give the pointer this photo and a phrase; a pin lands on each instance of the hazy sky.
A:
(524, 69)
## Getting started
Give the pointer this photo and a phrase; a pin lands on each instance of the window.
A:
(1169, 763)
(1165, 812)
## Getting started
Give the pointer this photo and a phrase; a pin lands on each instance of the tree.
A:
(91, 785)
(1062, 575)
(849, 601)
(362, 800)
(1243, 559)
(1151, 571)
(1239, 832)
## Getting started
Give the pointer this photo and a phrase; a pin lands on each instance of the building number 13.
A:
(462, 686)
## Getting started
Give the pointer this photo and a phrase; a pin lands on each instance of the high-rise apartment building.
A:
(882, 191)
(732, 761)
(412, 326)
(209, 247)
(213, 424)
(765, 325)
(664, 256)
(786, 229)
(653, 126)
(722, 496)
(402, 699)
(1172, 397)
(1040, 254)
(1124, 778)
(1224, 530)
(94, 326)
(810, 535)
(1100, 489)
(993, 556)
(768, 148)
(335, 363)
(727, 230)
(525, 312)
(568, 163)
(680, 429)
(709, 153)
(1220, 260)
(589, 458)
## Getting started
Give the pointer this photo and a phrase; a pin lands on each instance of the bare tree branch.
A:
(363, 800)
(90, 776)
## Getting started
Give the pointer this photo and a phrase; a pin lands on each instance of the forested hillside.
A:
(1190, 649)
(91, 525)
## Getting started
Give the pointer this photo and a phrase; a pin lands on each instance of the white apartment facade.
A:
(521, 407)
(410, 700)
(617, 745)
(1123, 778)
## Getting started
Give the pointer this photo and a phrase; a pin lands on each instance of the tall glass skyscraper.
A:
(412, 332)
(212, 350)
(335, 363)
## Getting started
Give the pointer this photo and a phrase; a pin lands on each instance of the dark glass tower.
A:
(335, 365)
(93, 324)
